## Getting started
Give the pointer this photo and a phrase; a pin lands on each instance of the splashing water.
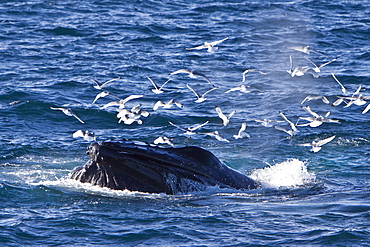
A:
(290, 173)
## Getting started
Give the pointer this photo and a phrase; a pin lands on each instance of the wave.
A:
(290, 173)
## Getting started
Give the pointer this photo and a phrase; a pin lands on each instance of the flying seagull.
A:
(192, 74)
(200, 98)
(156, 89)
(121, 103)
(68, 112)
(316, 145)
(305, 49)
(88, 136)
(210, 46)
(99, 85)
(251, 70)
(190, 130)
(241, 132)
(344, 91)
(317, 69)
(225, 119)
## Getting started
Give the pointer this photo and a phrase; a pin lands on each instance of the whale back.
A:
(136, 167)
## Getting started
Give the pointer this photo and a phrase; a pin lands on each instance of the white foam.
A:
(88, 188)
(291, 173)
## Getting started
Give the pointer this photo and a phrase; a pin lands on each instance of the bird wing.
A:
(325, 100)
(96, 82)
(198, 96)
(317, 67)
(234, 89)
(181, 71)
(305, 144)
(340, 84)
(78, 133)
(322, 65)
(114, 103)
(324, 141)
(289, 132)
(74, 115)
(231, 114)
(181, 128)
(199, 47)
(287, 120)
(220, 114)
(367, 108)
(100, 95)
(164, 83)
(198, 126)
(154, 84)
(202, 75)
(308, 109)
(209, 91)
(115, 79)
(357, 91)
(218, 41)
(131, 97)
(242, 128)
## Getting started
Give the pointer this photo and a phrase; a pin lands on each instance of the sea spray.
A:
(290, 173)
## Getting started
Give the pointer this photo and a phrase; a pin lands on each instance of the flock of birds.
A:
(135, 114)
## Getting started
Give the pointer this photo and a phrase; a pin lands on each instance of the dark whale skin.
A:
(121, 165)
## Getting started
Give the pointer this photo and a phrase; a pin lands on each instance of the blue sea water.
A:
(50, 51)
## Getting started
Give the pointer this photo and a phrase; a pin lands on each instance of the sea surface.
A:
(51, 51)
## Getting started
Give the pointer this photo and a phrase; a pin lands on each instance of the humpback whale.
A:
(121, 165)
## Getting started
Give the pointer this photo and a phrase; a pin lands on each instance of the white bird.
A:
(200, 98)
(216, 135)
(310, 97)
(305, 49)
(241, 132)
(102, 95)
(317, 69)
(121, 103)
(267, 122)
(316, 145)
(190, 130)
(130, 116)
(356, 99)
(210, 46)
(166, 105)
(344, 91)
(137, 110)
(192, 74)
(300, 71)
(163, 140)
(251, 70)
(316, 119)
(225, 119)
(99, 85)
(156, 89)
(88, 136)
(241, 88)
(68, 112)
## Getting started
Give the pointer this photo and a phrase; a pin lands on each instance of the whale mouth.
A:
(140, 167)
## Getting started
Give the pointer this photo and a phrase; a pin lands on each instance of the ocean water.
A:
(50, 51)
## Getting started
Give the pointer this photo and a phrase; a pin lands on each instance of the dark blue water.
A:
(50, 51)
